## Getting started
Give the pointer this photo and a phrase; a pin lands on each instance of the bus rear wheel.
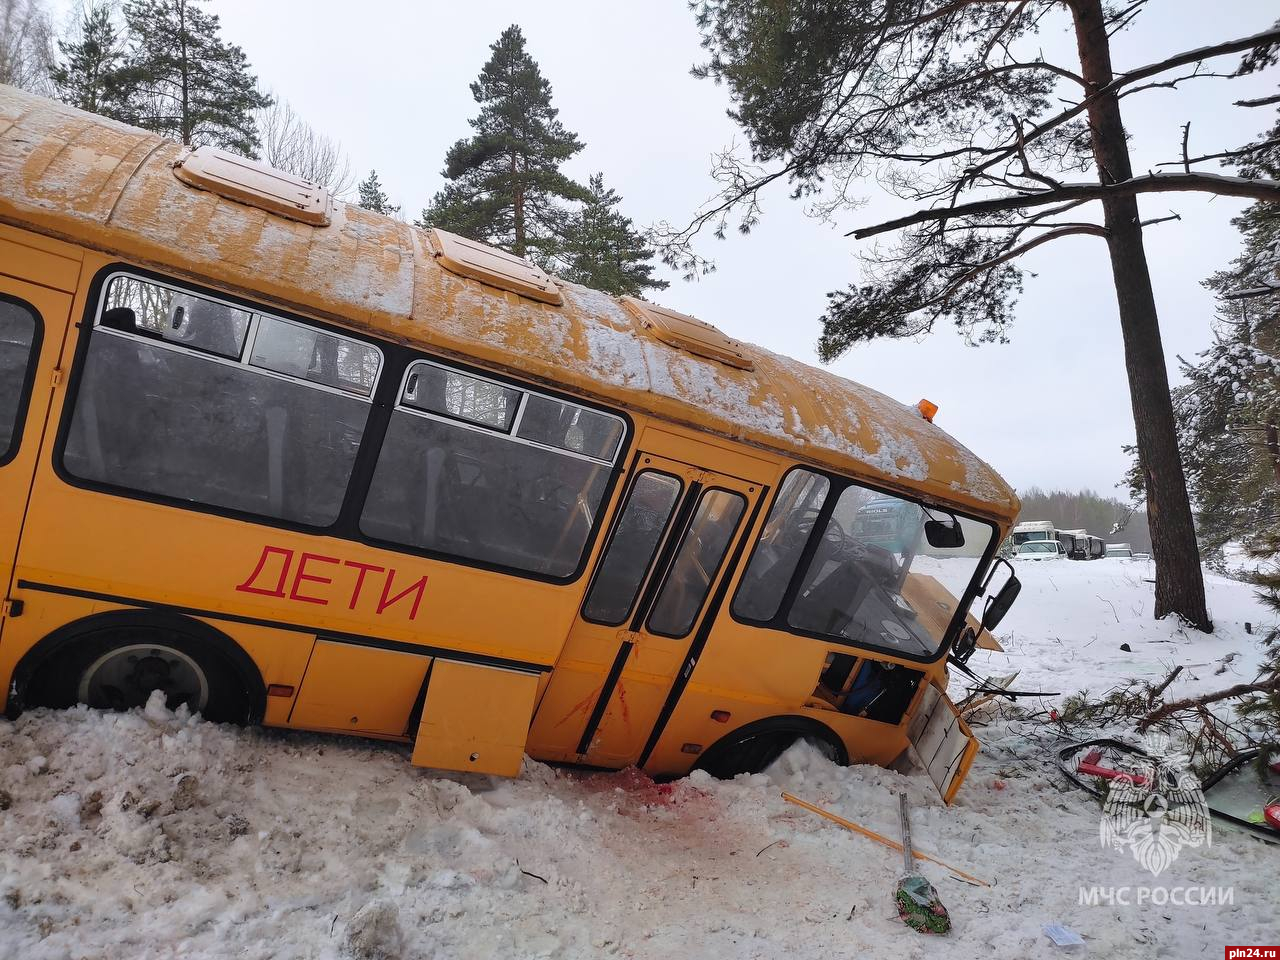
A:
(118, 668)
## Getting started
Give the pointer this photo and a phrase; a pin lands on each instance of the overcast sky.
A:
(390, 81)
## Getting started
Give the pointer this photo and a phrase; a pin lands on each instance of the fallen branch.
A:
(1211, 730)
(1158, 691)
(1239, 690)
(528, 874)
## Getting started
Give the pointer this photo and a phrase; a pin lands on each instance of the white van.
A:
(1040, 550)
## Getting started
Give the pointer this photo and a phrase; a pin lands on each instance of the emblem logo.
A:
(1157, 810)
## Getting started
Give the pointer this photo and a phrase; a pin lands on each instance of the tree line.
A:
(1107, 517)
(165, 66)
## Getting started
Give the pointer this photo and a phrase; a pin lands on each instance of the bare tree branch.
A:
(1259, 102)
(1225, 155)
(1225, 48)
(1268, 190)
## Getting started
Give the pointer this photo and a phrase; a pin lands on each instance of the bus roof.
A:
(102, 184)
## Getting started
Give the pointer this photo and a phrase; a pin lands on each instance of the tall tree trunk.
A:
(517, 214)
(186, 76)
(1179, 581)
(1273, 446)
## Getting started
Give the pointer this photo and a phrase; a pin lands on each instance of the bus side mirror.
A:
(999, 605)
(944, 534)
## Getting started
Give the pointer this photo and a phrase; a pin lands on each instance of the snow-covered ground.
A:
(157, 835)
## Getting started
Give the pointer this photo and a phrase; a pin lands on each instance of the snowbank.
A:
(155, 835)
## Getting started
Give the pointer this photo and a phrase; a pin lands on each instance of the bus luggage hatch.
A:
(941, 741)
(475, 718)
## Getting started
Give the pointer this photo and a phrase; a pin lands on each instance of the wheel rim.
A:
(123, 678)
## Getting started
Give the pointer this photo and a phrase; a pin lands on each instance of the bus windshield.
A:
(871, 578)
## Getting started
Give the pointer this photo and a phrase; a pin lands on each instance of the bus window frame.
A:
(838, 484)
(23, 408)
(653, 556)
(510, 433)
(713, 576)
(392, 375)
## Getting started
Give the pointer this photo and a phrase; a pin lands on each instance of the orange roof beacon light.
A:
(928, 409)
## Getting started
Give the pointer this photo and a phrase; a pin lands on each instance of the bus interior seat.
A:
(123, 319)
(277, 424)
(829, 605)
(426, 522)
(881, 692)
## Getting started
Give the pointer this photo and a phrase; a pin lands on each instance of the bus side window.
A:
(458, 474)
(175, 412)
(782, 541)
(17, 336)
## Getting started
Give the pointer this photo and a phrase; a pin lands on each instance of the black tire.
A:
(140, 658)
(754, 746)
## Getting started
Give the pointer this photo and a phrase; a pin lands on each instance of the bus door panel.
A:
(33, 320)
(663, 558)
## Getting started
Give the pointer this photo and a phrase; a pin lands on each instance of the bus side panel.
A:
(753, 674)
(122, 550)
(36, 278)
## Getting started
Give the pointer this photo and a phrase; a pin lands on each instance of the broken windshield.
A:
(869, 577)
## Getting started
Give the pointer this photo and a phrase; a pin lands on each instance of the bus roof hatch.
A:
(689, 333)
(495, 267)
(254, 183)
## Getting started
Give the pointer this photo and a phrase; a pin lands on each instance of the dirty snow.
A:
(155, 835)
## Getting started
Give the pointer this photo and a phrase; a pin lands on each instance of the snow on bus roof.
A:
(109, 186)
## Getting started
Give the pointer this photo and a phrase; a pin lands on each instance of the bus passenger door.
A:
(33, 320)
(646, 602)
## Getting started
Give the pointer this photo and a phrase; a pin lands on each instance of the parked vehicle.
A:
(1029, 530)
(1078, 545)
(1119, 550)
(1040, 550)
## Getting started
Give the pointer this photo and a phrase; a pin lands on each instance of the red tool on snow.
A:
(1089, 765)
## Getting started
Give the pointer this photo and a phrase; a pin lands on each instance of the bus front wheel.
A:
(754, 746)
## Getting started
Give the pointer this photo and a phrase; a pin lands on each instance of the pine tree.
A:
(504, 183)
(184, 81)
(88, 75)
(1228, 410)
(604, 251)
(373, 197)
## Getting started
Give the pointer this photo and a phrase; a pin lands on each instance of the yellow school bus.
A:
(290, 462)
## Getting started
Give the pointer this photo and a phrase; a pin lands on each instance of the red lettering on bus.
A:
(306, 572)
(262, 562)
(420, 586)
(364, 568)
(302, 575)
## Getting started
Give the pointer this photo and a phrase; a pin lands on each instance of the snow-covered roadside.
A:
(156, 835)
(1067, 631)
